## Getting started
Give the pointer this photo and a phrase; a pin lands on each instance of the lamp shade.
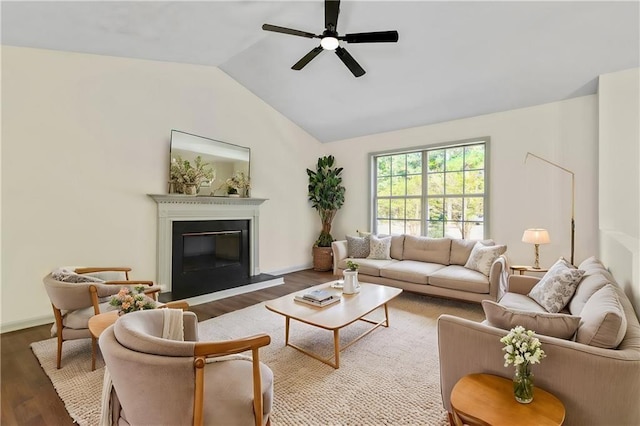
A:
(536, 236)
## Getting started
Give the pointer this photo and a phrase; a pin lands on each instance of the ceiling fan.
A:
(329, 39)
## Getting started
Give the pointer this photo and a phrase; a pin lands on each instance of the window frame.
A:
(373, 194)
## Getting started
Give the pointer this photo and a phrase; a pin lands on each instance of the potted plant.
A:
(238, 185)
(187, 178)
(351, 284)
(326, 194)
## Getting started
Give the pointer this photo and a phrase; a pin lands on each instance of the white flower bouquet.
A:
(521, 347)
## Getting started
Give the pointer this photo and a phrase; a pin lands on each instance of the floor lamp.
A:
(573, 196)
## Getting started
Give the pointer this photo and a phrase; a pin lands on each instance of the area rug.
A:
(390, 377)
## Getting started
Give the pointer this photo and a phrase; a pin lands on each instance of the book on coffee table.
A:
(333, 299)
(319, 295)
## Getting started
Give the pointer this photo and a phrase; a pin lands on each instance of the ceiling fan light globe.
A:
(329, 43)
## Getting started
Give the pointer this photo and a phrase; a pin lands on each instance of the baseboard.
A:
(19, 325)
(291, 269)
(205, 298)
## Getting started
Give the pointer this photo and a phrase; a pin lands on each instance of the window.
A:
(435, 192)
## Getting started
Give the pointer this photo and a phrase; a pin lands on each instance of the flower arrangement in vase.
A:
(187, 178)
(522, 350)
(127, 301)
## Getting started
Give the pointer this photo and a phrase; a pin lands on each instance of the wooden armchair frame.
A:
(204, 350)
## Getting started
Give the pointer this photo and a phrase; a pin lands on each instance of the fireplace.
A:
(208, 247)
(208, 256)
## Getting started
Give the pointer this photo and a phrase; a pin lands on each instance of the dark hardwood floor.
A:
(28, 397)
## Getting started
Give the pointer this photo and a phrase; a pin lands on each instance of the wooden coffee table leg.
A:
(94, 349)
(287, 321)
(386, 315)
(336, 347)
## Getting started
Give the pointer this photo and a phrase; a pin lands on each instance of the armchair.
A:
(191, 389)
(76, 294)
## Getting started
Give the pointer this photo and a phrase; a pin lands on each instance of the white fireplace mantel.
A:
(178, 207)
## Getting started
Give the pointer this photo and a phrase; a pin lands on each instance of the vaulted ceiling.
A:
(452, 60)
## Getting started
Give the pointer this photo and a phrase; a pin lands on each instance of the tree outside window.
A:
(435, 192)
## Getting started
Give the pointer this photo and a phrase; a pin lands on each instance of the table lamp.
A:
(536, 236)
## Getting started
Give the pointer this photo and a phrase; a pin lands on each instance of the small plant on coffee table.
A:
(352, 266)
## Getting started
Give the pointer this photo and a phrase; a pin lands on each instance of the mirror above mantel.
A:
(226, 159)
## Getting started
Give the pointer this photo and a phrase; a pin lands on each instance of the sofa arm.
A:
(339, 253)
(498, 278)
(521, 284)
(573, 372)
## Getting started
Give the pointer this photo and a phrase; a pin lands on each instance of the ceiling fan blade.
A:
(307, 58)
(283, 30)
(372, 37)
(331, 11)
(348, 60)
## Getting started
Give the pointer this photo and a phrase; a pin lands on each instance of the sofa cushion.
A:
(520, 302)
(410, 271)
(425, 249)
(555, 325)
(379, 248)
(458, 277)
(461, 249)
(357, 246)
(367, 266)
(603, 323)
(587, 286)
(397, 246)
(483, 256)
(79, 318)
(555, 288)
(592, 266)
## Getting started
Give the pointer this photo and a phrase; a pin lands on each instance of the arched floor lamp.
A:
(573, 196)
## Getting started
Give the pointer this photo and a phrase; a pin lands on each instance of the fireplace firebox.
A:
(209, 256)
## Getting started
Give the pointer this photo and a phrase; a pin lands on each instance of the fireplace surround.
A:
(213, 235)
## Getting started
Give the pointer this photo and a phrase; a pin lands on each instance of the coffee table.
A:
(351, 308)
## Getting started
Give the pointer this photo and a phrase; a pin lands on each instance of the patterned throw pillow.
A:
(482, 257)
(69, 276)
(357, 247)
(556, 287)
(380, 248)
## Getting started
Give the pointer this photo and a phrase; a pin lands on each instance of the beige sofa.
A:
(433, 266)
(598, 385)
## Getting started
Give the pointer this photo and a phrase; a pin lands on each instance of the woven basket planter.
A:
(322, 259)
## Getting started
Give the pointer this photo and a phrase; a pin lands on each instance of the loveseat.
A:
(592, 364)
(443, 267)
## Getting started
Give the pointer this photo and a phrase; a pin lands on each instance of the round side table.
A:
(485, 399)
(98, 324)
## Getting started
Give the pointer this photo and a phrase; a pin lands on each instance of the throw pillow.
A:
(461, 249)
(357, 247)
(69, 276)
(555, 325)
(604, 322)
(555, 288)
(482, 257)
(379, 248)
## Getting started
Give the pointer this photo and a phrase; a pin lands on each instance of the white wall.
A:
(85, 137)
(522, 195)
(619, 148)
